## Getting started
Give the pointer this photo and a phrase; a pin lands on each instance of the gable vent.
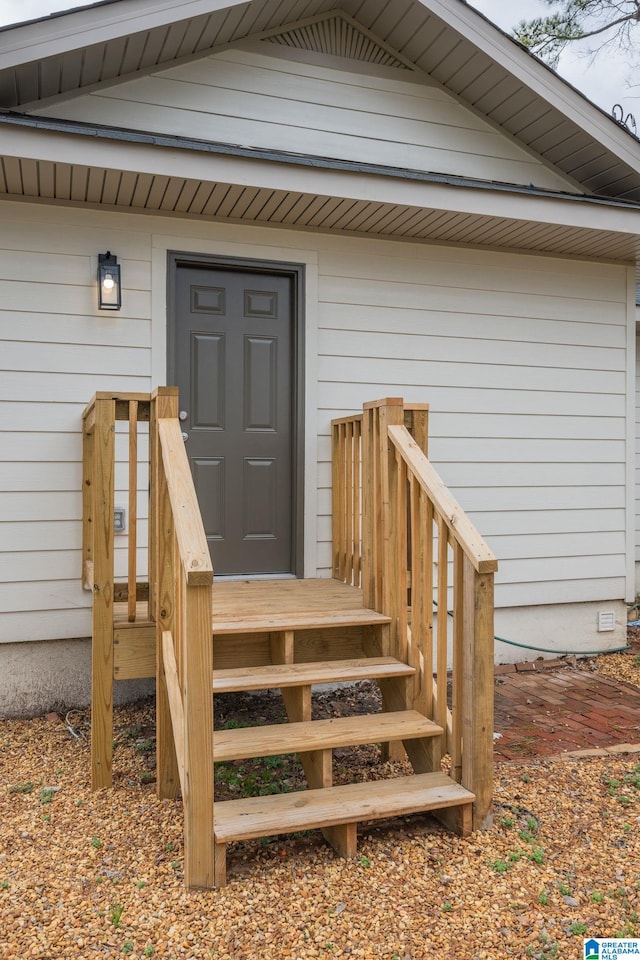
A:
(338, 38)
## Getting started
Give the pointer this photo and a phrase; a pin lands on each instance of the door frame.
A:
(295, 272)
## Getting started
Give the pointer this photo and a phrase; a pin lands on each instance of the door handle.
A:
(185, 436)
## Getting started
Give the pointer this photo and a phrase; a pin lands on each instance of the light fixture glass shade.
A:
(109, 287)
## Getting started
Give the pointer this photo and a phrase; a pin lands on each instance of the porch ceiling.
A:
(447, 39)
(345, 211)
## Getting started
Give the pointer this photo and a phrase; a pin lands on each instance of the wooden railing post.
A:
(102, 646)
(88, 506)
(164, 404)
(416, 420)
(477, 692)
(162, 580)
(377, 522)
(197, 681)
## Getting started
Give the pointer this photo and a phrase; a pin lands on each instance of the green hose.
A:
(558, 653)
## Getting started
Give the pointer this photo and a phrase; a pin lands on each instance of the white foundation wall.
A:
(523, 360)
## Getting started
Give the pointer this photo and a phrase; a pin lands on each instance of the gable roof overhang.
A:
(447, 39)
(131, 171)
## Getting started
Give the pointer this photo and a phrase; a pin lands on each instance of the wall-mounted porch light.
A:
(109, 287)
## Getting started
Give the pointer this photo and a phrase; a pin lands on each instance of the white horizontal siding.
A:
(266, 100)
(521, 359)
(56, 350)
(523, 362)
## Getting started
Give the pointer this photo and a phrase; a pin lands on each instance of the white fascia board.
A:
(82, 28)
(58, 147)
(540, 79)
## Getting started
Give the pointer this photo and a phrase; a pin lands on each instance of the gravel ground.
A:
(93, 875)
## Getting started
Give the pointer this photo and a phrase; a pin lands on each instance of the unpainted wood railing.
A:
(346, 472)
(176, 597)
(101, 429)
(184, 702)
(422, 563)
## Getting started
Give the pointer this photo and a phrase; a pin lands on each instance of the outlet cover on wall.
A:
(119, 520)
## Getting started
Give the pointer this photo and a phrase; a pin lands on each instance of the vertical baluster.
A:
(416, 546)
(348, 498)
(400, 523)
(357, 500)
(441, 654)
(426, 524)
(368, 510)
(337, 499)
(133, 509)
(458, 652)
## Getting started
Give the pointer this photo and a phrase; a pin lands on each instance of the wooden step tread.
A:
(311, 809)
(302, 737)
(299, 674)
(296, 620)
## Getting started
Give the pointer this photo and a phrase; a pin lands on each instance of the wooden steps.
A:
(263, 606)
(280, 675)
(310, 633)
(302, 737)
(274, 622)
(332, 806)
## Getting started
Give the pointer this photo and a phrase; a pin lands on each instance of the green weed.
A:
(578, 928)
(116, 914)
(20, 788)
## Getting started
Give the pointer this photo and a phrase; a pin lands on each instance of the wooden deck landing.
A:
(269, 604)
(327, 615)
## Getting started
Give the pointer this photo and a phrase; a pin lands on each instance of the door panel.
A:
(233, 349)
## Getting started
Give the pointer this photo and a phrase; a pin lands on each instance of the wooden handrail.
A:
(192, 541)
(448, 508)
(184, 649)
(419, 554)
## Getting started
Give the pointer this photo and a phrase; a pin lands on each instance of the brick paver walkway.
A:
(551, 711)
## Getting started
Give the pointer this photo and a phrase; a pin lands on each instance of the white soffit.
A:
(39, 164)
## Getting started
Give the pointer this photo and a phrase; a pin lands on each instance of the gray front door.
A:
(232, 360)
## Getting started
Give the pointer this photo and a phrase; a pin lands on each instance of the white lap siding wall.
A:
(522, 358)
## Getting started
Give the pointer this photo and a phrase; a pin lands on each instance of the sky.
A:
(604, 80)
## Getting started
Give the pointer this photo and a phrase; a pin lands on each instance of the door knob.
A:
(183, 415)
(185, 436)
